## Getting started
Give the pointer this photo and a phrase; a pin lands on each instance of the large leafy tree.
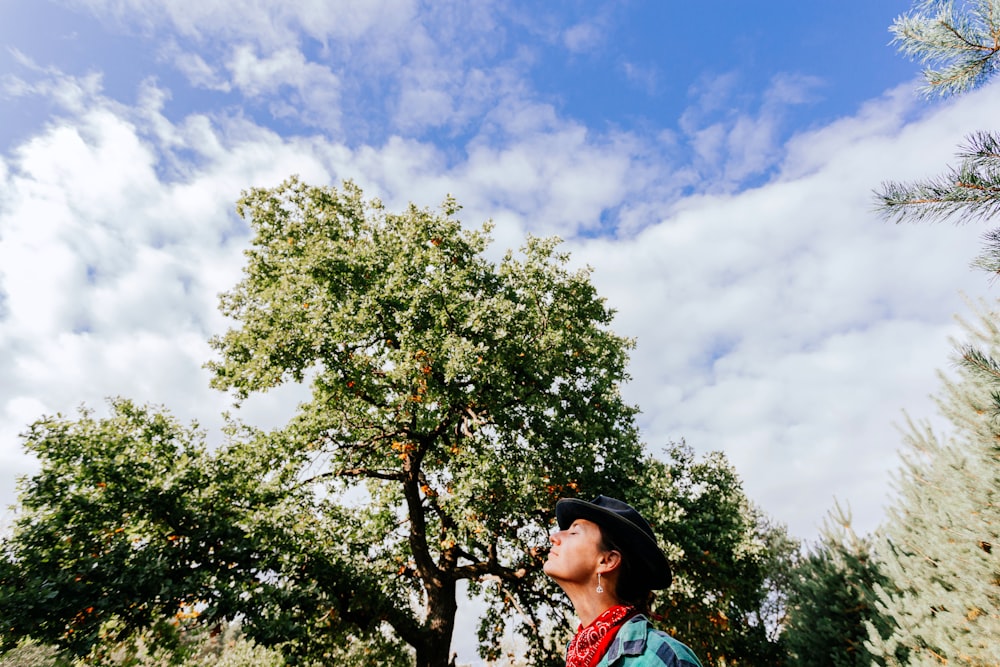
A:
(454, 399)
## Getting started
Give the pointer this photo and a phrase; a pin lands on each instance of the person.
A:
(606, 559)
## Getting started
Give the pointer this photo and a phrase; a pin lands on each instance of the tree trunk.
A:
(435, 649)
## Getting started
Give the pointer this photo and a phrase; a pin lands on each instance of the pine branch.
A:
(981, 156)
(971, 192)
(982, 365)
(960, 48)
(959, 196)
(985, 368)
(989, 259)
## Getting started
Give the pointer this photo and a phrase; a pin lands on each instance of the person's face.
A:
(576, 553)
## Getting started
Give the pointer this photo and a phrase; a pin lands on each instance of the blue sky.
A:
(633, 65)
(713, 162)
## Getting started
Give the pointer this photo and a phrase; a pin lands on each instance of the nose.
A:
(555, 538)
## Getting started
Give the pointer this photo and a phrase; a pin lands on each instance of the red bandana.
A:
(590, 643)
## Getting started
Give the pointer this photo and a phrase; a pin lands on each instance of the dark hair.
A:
(631, 588)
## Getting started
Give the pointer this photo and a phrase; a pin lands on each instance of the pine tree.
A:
(941, 545)
(938, 545)
(831, 597)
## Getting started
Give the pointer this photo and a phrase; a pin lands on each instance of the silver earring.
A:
(600, 589)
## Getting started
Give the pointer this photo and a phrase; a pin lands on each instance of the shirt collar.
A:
(630, 640)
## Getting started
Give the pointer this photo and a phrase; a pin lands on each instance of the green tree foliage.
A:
(185, 643)
(188, 645)
(453, 399)
(726, 600)
(29, 653)
(831, 598)
(132, 520)
(113, 527)
(939, 548)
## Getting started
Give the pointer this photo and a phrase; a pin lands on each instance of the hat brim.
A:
(629, 537)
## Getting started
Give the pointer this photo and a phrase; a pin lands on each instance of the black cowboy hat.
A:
(630, 532)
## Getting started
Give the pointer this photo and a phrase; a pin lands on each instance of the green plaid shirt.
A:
(638, 644)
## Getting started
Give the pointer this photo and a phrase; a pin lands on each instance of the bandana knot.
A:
(590, 643)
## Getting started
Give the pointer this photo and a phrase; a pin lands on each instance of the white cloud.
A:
(270, 23)
(787, 89)
(730, 140)
(585, 36)
(644, 77)
(70, 93)
(787, 325)
(338, 66)
(109, 272)
(258, 76)
(197, 70)
(709, 93)
(315, 90)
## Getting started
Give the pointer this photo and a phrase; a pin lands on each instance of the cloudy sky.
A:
(712, 161)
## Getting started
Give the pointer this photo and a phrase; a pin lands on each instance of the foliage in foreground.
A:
(169, 644)
(959, 43)
(939, 549)
(956, 41)
(939, 544)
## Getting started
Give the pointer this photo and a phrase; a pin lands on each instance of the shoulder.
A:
(669, 650)
(639, 644)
